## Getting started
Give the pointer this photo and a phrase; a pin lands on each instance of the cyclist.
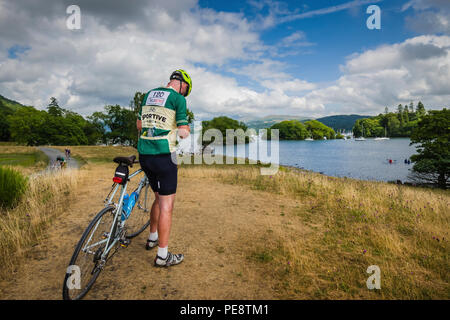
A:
(161, 116)
(61, 161)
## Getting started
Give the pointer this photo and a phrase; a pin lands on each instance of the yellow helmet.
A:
(182, 75)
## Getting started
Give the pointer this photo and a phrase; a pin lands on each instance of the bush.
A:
(12, 186)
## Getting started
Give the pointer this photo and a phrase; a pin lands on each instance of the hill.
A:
(341, 122)
(270, 120)
(337, 122)
(11, 104)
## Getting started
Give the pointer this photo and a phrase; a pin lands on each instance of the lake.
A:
(366, 160)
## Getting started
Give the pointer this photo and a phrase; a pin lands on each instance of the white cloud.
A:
(431, 16)
(114, 55)
(293, 38)
(103, 64)
(328, 10)
(416, 69)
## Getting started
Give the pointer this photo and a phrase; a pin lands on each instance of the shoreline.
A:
(399, 182)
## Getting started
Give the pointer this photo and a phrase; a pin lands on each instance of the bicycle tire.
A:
(134, 214)
(76, 252)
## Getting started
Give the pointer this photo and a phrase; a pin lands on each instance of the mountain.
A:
(338, 122)
(341, 122)
(270, 120)
(11, 104)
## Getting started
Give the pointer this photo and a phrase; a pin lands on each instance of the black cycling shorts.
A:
(161, 171)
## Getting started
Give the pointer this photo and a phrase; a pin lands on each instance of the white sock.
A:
(162, 252)
(153, 236)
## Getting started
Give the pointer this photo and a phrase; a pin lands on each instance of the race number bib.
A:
(157, 98)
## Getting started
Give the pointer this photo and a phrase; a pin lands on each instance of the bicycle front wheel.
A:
(86, 264)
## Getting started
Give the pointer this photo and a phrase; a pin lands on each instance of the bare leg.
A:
(165, 219)
(154, 214)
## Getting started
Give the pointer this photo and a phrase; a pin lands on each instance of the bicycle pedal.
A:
(125, 242)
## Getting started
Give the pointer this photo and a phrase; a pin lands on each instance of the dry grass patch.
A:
(24, 226)
(354, 224)
(98, 154)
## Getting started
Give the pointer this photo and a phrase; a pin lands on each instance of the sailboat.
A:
(310, 137)
(382, 138)
(362, 137)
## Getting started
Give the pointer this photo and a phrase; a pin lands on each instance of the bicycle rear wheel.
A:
(139, 218)
(86, 259)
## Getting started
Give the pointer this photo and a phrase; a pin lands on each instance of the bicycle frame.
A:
(112, 239)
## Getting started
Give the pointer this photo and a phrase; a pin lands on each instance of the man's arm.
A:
(139, 125)
(181, 118)
(139, 121)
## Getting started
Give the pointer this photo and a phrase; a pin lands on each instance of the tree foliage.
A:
(222, 124)
(318, 130)
(432, 134)
(289, 130)
(394, 124)
(59, 126)
(296, 130)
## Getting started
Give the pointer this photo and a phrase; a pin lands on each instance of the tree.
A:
(289, 130)
(420, 110)
(121, 123)
(136, 103)
(29, 126)
(411, 107)
(432, 163)
(97, 121)
(318, 130)
(393, 127)
(400, 115)
(190, 115)
(222, 124)
(406, 114)
(54, 109)
(5, 133)
(372, 127)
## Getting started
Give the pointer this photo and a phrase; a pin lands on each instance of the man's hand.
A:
(139, 125)
(183, 131)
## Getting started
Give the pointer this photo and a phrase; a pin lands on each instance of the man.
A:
(161, 116)
(61, 161)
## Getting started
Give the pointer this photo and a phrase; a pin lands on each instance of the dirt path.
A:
(215, 225)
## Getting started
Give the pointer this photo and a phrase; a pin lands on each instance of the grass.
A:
(319, 248)
(351, 225)
(26, 159)
(18, 159)
(25, 225)
(97, 154)
(8, 143)
(13, 185)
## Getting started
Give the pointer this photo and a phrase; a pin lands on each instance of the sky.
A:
(247, 59)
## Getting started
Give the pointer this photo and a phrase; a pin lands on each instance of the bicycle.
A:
(106, 233)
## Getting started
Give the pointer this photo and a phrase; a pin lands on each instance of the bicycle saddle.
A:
(126, 160)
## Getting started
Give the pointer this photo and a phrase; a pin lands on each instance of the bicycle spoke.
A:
(87, 256)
